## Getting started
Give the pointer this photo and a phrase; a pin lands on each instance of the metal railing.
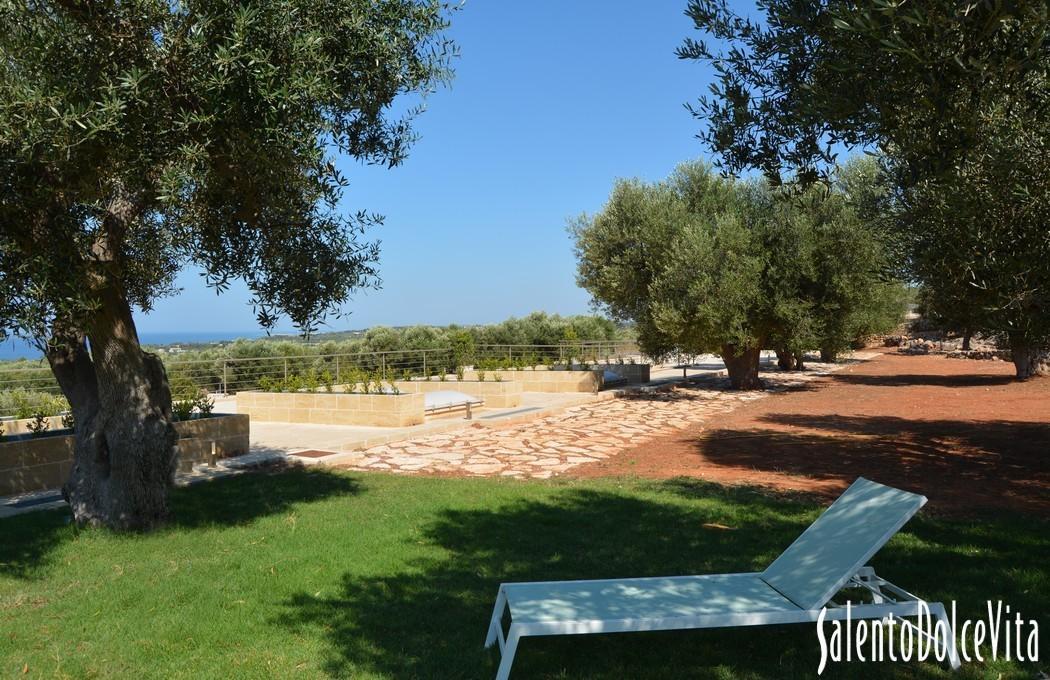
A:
(228, 375)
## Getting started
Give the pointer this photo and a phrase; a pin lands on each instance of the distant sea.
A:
(16, 349)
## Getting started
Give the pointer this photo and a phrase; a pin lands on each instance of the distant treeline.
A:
(254, 359)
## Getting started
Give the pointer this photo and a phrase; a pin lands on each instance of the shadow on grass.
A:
(27, 540)
(429, 620)
(958, 464)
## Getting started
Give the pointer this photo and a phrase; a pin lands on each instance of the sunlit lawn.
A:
(313, 574)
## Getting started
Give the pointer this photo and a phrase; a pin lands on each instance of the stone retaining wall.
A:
(34, 463)
(323, 408)
(502, 394)
(543, 380)
(21, 425)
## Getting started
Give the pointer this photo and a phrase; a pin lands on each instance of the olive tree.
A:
(702, 263)
(953, 95)
(141, 136)
(682, 260)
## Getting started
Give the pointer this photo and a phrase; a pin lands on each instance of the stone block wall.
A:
(34, 463)
(503, 394)
(323, 408)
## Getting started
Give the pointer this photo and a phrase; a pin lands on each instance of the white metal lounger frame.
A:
(888, 601)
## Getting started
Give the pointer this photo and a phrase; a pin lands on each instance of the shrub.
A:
(182, 410)
(204, 404)
(481, 376)
(183, 388)
(39, 424)
(68, 421)
(23, 403)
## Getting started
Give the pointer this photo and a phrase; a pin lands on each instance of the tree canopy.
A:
(954, 97)
(707, 264)
(138, 137)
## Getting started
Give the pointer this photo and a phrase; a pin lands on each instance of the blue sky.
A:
(551, 102)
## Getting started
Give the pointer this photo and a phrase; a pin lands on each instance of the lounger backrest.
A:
(840, 542)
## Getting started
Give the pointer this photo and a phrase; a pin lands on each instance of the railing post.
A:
(425, 374)
(337, 380)
(225, 379)
(382, 365)
(286, 368)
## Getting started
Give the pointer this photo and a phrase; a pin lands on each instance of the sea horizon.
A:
(14, 348)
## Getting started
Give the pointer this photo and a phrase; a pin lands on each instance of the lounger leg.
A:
(939, 614)
(497, 616)
(508, 653)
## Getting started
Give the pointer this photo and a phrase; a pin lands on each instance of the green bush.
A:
(181, 410)
(22, 403)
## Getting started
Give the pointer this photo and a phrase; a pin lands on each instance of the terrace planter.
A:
(544, 380)
(229, 431)
(17, 426)
(634, 374)
(35, 463)
(504, 394)
(323, 408)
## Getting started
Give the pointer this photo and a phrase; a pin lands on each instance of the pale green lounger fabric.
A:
(840, 542)
(643, 598)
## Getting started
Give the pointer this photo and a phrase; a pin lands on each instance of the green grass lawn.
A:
(316, 574)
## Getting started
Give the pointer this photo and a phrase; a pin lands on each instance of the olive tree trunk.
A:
(124, 457)
(785, 360)
(742, 366)
(1030, 361)
(828, 356)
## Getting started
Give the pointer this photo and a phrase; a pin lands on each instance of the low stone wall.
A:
(323, 408)
(34, 463)
(502, 394)
(982, 355)
(543, 380)
(21, 425)
(635, 374)
(230, 432)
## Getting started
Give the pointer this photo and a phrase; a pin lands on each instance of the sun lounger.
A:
(830, 555)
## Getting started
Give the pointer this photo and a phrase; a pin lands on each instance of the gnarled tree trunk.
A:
(124, 457)
(800, 361)
(828, 356)
(742, 366)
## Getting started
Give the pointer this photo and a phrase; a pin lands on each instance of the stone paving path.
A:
(576, 436)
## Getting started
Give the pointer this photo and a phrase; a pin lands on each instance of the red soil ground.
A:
(962, 432)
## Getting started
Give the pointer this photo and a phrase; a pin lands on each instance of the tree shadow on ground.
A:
(429, 620)
(27, 540)
(920, 379)
(960, 465)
